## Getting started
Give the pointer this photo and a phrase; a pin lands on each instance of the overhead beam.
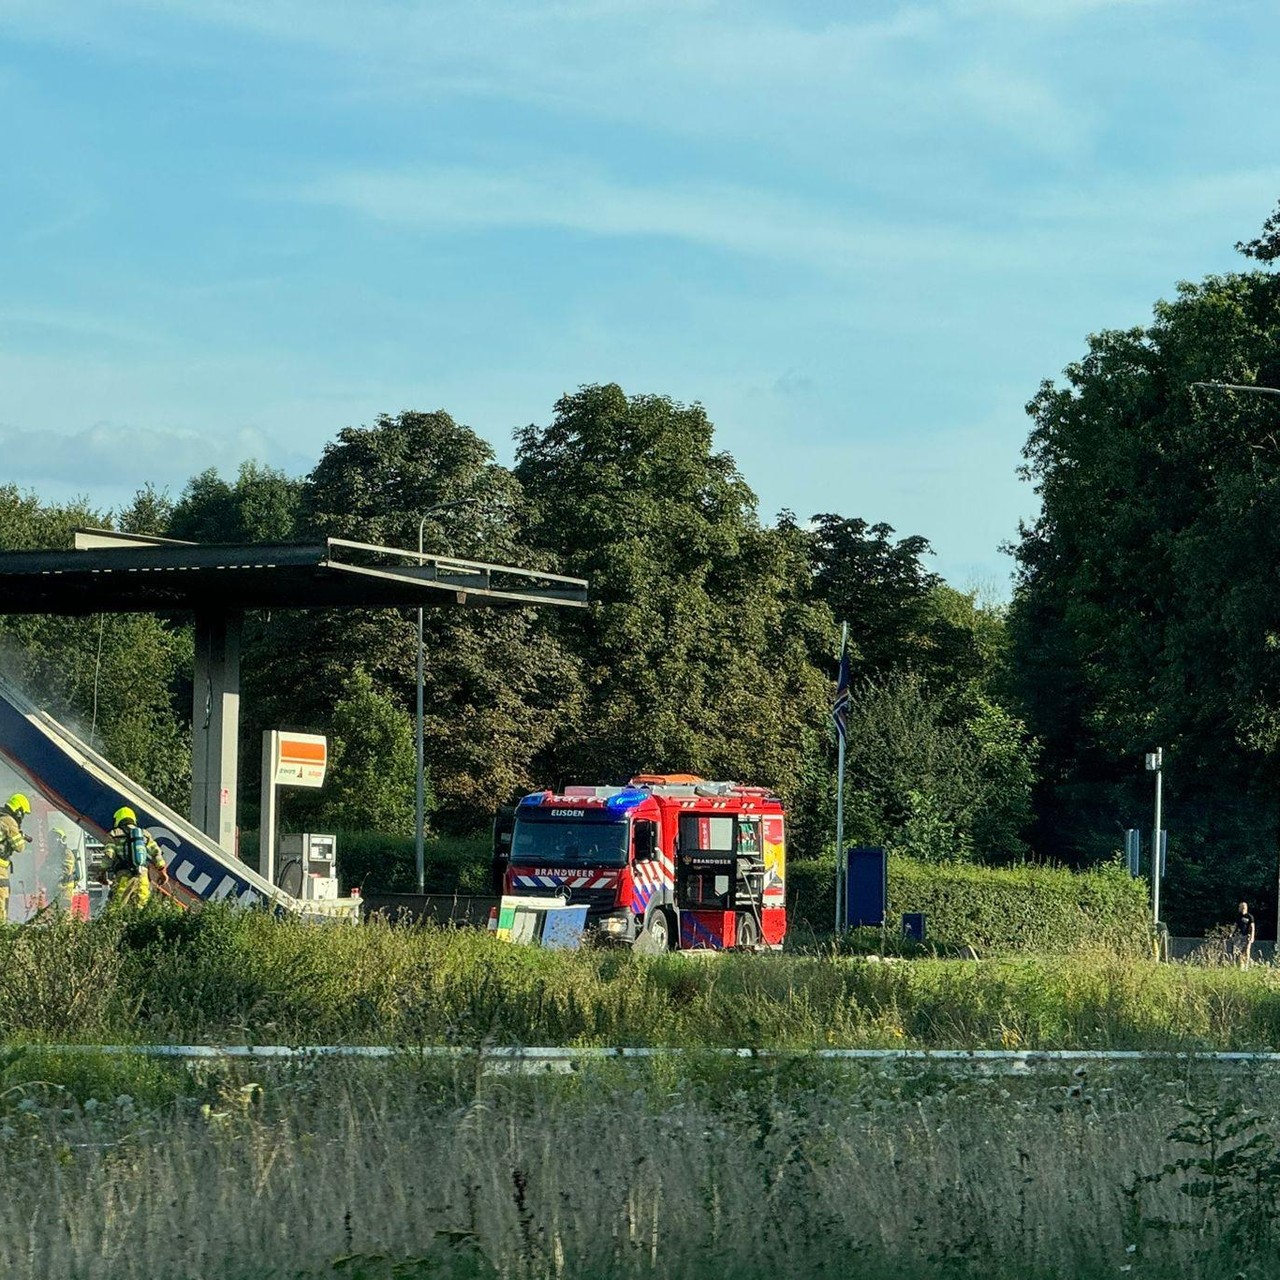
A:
(112, 539)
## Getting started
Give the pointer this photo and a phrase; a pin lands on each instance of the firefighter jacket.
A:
(68, 879)
(122, 863)
(11, 841)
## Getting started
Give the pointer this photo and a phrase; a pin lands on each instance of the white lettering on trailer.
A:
(164, 838)
(198, 882)
(185, 873)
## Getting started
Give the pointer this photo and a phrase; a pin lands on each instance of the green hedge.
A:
(998, 910)
(388, 864)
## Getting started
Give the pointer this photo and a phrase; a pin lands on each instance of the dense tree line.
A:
(1147, 607)
(709, 646)
(1146, 613)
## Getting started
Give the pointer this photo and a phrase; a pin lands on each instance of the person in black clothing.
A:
(1242, 938)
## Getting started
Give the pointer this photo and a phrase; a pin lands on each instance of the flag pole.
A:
(841, 714)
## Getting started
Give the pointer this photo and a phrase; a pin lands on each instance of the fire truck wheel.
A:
(658, 934)
(748, 932)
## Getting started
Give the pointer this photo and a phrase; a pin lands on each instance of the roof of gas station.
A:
(110, 572)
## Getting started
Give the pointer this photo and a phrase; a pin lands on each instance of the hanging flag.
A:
(840, 704)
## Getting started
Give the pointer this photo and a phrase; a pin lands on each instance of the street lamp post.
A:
(419, 786)
(1155, 764)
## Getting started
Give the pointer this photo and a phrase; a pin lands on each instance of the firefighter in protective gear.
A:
(12, 841)
(132, 852)
(62, 856)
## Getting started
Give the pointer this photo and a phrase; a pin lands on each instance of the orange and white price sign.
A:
(300, 759)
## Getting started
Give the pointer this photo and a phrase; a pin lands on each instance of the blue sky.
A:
(859, 234)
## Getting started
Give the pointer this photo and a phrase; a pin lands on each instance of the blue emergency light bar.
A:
(627, 799)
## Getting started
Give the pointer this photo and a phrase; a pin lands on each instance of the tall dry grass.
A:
(675, 1169)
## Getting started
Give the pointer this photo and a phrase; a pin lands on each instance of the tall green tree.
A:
(113, 677)
(697, 646)
(901, 615)
(369, 784)
(497, 684)
(936, 778)
(150, 512)
(938, 764)
(1147, 607)
(1264, 247)
(878, 585)
(260, 506)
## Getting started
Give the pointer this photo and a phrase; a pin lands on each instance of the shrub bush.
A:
(387, 864)
(998, 910)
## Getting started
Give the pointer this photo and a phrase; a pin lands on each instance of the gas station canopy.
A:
(117, 573)
(111, 572)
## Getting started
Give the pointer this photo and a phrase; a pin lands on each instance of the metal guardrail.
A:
(455, 564)
(554, 1058)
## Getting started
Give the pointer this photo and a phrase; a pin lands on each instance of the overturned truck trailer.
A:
(71, 786)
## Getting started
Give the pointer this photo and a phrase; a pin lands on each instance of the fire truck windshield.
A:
(570, 843)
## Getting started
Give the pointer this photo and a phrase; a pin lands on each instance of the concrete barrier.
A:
(461, 910)
(1213, 951)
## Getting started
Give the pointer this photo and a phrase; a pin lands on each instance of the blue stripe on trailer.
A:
(86, 794)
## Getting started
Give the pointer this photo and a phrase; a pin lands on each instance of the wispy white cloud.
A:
(715, 70)
(1055, 11)
(763, 53)
(1027, 108)
(1117, 217)
(57, 225)
(1159, 200)
(20, 325)
(109, 454)
(736, 219)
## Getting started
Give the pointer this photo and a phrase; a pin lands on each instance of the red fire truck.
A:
(673, 859)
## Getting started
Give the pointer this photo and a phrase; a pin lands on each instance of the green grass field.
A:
(227, 976)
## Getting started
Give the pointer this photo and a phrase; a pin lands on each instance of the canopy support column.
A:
(215, 726)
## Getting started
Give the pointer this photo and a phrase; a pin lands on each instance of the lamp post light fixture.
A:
(1240, 386)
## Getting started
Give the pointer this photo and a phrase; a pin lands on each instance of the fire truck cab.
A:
(672, 859)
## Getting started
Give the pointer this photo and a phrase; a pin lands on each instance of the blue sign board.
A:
(866, 886)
